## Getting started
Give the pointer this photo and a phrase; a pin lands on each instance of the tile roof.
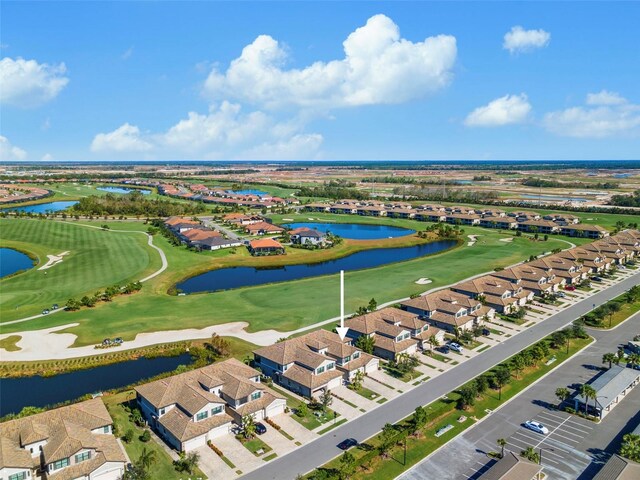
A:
(619, 468)
(265, 243)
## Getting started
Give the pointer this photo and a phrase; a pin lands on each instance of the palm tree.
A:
(531, 455)
(562, 393)
(609, 357)
(501, 443)
(614, 307)
(248, 426)
(587, 391)
(634, 359)
(434, 342)
(356, 381)
(147, 458)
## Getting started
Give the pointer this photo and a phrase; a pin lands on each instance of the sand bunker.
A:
(507, 240)
(472, 240)
(53, 260)
(423, 281)
(287, 219)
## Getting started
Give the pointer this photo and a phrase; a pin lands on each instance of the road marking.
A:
(548, 414)
(552, 432)
(579, 435)
(568, 439)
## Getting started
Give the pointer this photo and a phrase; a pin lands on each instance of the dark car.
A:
(486, 332)
(54, 306)
(260, 428)
(117, 341)
(596, 279)
(347, 444)
(445, 349)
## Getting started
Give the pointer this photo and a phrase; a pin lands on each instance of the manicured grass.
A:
(283, 306)
(9, 343)
(96, 259)
(443, 412)
(483, 348)
(311, 421)
(368, 394)
(163, 466)
(626, 310)
(254, 445)
(270, 457)
(332, 426)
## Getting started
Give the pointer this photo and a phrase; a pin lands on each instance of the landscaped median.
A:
(404, 444)
(616, 311)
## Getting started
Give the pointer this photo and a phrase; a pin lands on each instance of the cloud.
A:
(505, 110)
(27, 83)
(47, 157)
(607, 114)
(223, 132)
(10, 152)
(519, 40)
(605, 97)
(379, 67)
(127, 53)
(126, 138)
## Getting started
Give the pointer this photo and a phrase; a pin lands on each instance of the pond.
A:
(41, 391)
(12, 261)
(42, 207)
(123, 190)
(356, 231)
(258, 193)
(551, 198)
(236, 277)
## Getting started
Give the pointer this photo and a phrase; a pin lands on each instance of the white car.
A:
(456, 347)
(536, 427)
(561, 295)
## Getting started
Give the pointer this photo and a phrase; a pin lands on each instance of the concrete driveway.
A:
(213, 466)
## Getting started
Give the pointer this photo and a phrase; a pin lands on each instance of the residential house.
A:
(532, 278)
(502, 222)
(371, 211)
(307, 236)
(265, 246)
(497, 293)
(592, 261)
(449, 310)
(216, 243)
(570, 270)
(538, 226)
(462, 219)
(313, 363)
(394, 331)
(242, 219)
(401, 212)
(513, 467)
(584, 230)
(190, 408)
(263, 228)
(66, 443)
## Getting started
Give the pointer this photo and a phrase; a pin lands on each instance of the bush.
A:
(272, 423)
(128, 436)
(215, 449)
(570, 410)
(145, 437)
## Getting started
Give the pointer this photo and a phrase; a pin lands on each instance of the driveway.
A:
(242, 458)
(213, 466)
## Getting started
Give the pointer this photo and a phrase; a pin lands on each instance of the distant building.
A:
(513, 467)
(611, 387)
(265, 246)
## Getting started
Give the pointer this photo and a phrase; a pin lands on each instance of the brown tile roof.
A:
(306, 378)
(12, 456)
(265, 243)
(181, 426)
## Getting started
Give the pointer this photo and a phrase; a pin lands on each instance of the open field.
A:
(284, 306)
(96, 259)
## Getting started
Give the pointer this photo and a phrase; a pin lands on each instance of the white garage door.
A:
(195, 443)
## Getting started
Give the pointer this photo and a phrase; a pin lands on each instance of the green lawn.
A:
(163, 466)
(96, 259)
(368, 394)
(311, 421)
(254, 445)
(9, 343)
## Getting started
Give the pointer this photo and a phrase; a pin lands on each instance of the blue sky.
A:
(319, 80)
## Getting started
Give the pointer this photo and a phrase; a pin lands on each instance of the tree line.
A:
(542, 183)
(133, 203)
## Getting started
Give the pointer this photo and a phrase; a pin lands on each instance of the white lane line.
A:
(581, 435)
(548, 414)
(567, 438)
(546, 451)
(552, 432)
(547, 459)
(577, 427)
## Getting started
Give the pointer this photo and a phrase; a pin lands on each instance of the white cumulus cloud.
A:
(520, 40)
(505, 110)
(10, 152)
(27, 83)
(379, 67)
(606, 114)
(225, 131)
(126, 138)
(47, 157)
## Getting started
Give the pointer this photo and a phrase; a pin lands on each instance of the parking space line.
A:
(567, 438)
(532, 438)
(581, 425)
(584, 432)
(549, 414)
(579, 435)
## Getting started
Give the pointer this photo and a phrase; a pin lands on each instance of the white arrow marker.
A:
(342, 330)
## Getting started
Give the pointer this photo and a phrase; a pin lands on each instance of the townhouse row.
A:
(484, 217)
(195, 234)
(223, 197)
(320, 361)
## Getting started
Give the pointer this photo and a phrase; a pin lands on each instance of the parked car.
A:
(54, 306)
(486, 332)
(45, 311)
(118, 341)
(456, 347)
(561, 294)
(347, 444)
(260, 428)
(536, 427)
(596, 279)
(106, 341)
(445, 349)
(570, 288)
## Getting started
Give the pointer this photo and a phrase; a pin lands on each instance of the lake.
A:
(552, 198)
(41, 391)
(236, 277)
(258, 193)
(12, 261)
(356, 231)
(43, 207)
(123, 190)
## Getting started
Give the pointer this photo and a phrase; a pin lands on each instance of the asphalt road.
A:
(576, 446)
(323, 449)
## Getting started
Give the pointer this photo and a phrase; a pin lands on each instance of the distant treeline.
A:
(334, 190)
(133, 203)
(409, 180)
(626, 200)
(453, 195)
(540, 183)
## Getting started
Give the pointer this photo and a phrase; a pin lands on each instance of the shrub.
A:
(215, 449)
(128, 436)
(145, 437)
(272, 423)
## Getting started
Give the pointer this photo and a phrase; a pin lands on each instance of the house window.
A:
(256, 395)
(216, 410)
(163, 411)
(347, 359)
(18, 476)
(320, 370)
(356, 355)
(59, 464)
(201, 416)
(81, 457)
(107, 429)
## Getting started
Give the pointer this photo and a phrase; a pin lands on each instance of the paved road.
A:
(324, 448)
(578, 445)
